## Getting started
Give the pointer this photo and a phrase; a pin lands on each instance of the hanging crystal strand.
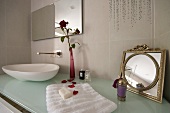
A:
(114, 8)
(128, 8)
(151, 7)
(120, 11)
(149, 16)
(140, 9)
(124, 10)
(136, 9)
(110, 8)
(144, 5)
(132, 12)
(147, 7)
(117, 15)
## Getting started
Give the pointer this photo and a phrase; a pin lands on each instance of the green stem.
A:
(68, 41)
(68, 38)
(66, 34)
(63, 31)
(77, 43)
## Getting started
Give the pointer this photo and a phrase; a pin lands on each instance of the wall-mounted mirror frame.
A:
(71, 11)
(45, 20)
(43, 23)
(158, 80)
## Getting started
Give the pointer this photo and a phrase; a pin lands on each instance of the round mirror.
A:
(138, 75)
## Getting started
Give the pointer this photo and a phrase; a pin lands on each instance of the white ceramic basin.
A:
(31, 72)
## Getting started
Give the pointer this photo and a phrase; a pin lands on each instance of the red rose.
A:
(63, 24)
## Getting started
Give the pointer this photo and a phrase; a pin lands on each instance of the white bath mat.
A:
(86, 101)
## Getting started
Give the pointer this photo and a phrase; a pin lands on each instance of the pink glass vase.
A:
(72, 70)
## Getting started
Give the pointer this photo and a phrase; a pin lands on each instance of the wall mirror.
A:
(45, 20)
(143, 69)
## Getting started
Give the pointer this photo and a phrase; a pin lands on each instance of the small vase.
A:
(72, 70)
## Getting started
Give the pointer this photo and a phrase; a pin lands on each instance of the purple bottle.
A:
(121, 89)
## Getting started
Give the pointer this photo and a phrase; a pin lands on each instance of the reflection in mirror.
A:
(45, 21)
(140, 75)
(70, 11)
(144, 72)
(43, 26)
(153, 91)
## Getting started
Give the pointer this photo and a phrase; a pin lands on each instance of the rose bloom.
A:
(63, 24)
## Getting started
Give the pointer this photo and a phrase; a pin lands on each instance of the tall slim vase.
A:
(72, 70)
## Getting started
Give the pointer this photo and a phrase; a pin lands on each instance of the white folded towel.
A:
(86, 101)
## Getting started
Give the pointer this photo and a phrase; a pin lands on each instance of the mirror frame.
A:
(45, 29)
(156, 66)
(160, 71)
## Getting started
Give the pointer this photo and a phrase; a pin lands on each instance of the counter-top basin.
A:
(31, 72)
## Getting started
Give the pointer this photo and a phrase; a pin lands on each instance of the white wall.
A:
(15, 46)
(100, 50)
(162, 36)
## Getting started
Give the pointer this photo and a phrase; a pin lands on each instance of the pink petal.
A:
(71, 86)
(63, 81)
(70, 80)
(75, 92)
(73, 82)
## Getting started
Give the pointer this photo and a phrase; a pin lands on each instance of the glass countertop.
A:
(32, 95)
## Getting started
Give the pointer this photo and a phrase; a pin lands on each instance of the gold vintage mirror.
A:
(143, 69)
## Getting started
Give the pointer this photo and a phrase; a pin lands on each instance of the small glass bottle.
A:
(121, 89)
(87, 76)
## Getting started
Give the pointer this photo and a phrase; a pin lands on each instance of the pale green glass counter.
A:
(32, 95)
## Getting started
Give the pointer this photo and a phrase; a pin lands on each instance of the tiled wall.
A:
(162, 36)
(15, 46)
(100, 50)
